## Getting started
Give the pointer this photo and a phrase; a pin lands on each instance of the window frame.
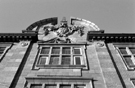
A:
(81, 60)
(88, 82)
(130, 68)
(40, 60)
(35, 84)
(58, 85)
(72, 63)
(131, 80)
(79, 85)
(127, 47)
(77, 48)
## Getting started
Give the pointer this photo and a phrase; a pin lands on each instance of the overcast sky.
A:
(113, 16)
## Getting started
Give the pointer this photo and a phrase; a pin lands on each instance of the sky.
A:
(113, 16)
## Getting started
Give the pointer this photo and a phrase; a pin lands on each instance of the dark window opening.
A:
(54, 60)
(77, 51)
(45, 50)
(36, 86)
(78, 60)
(50, 86)
(42, 60)
(65, 86)
(55, 50)
(66, 50)
(65, 60)
(123, 50)
(132, 50)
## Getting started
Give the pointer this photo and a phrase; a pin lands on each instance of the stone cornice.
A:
(111, 37)
(107, 37)
(15, 37)
(58, 78)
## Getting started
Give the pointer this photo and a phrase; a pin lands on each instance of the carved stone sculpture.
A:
(63, 33)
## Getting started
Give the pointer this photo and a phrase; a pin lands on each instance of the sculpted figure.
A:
(62, 33)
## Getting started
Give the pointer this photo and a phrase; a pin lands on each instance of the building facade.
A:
(75, 55)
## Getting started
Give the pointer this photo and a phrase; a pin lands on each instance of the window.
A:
(61, 56)
(59, 86)
(56, 82)
(36, 86)
(77, 50)
(3, 49)
(50, 86)
(133, 81)
(42, 60)
(54, 60)
(77, 60)
(65, 60)
(128, 54)
(132, 50)
(79, 86)
(65, 86)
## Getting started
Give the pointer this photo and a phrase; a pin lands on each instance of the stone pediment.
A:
(64, 33)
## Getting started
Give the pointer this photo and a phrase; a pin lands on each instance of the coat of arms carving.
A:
(76, 32)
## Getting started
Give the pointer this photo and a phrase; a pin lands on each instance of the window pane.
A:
(45, 50)
(123, 50)
(129, 61)
(79, 86)
(1, 52)
(36, 86)
(65, 60)
(65, 86)
(132, 50)
(2, 48)
(54, 60)
(133, 82)
(42, 61)
(66, 50)
(55, 50)
(50, 86)
(77, 51)
(78, 60)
